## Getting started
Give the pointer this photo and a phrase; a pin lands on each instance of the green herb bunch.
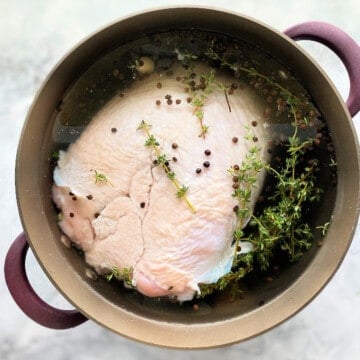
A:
(281, 224)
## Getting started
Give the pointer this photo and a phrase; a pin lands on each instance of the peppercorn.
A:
(174, 159)
(72, 214)
(207, 152)
(142, 205)
(159, 85)
(206, 164)
(178, 101)
(158, 102)
(235, 139)
(174, 145)
(89, 197)
(198, 170)
(113, 130)
(236, 167)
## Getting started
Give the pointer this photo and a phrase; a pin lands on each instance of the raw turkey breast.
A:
(134, 219)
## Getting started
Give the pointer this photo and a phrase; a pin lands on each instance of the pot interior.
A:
(81, 84)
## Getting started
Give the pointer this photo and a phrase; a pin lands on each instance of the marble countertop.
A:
(34, 36)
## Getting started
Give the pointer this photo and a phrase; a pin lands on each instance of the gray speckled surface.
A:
(34, 36)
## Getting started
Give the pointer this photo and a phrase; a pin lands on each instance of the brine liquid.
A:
(249, 69)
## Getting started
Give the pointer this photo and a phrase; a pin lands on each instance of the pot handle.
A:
(344, 47)
(26, 298)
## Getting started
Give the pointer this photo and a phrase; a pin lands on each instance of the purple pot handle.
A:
(343, 45)
(25, 296)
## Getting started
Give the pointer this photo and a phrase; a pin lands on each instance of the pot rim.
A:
(126, 323)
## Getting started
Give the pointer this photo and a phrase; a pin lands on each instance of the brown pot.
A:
(133, 316)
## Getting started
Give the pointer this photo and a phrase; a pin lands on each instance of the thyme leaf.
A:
(182, 191)
(324, 228)
(124, 274)
(101, 178)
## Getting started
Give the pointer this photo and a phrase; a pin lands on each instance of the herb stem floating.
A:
(164, 162)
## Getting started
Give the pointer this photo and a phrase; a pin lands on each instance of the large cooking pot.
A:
(220, 322)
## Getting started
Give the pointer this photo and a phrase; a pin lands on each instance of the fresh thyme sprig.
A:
(244, 180)
(201, 91)
(124, 274)
(164, 162)
(199, 94)
(280, 225)
(101, 178)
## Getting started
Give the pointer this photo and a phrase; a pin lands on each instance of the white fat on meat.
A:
(134, 220)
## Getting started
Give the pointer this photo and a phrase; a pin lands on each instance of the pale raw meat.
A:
(170, 249)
